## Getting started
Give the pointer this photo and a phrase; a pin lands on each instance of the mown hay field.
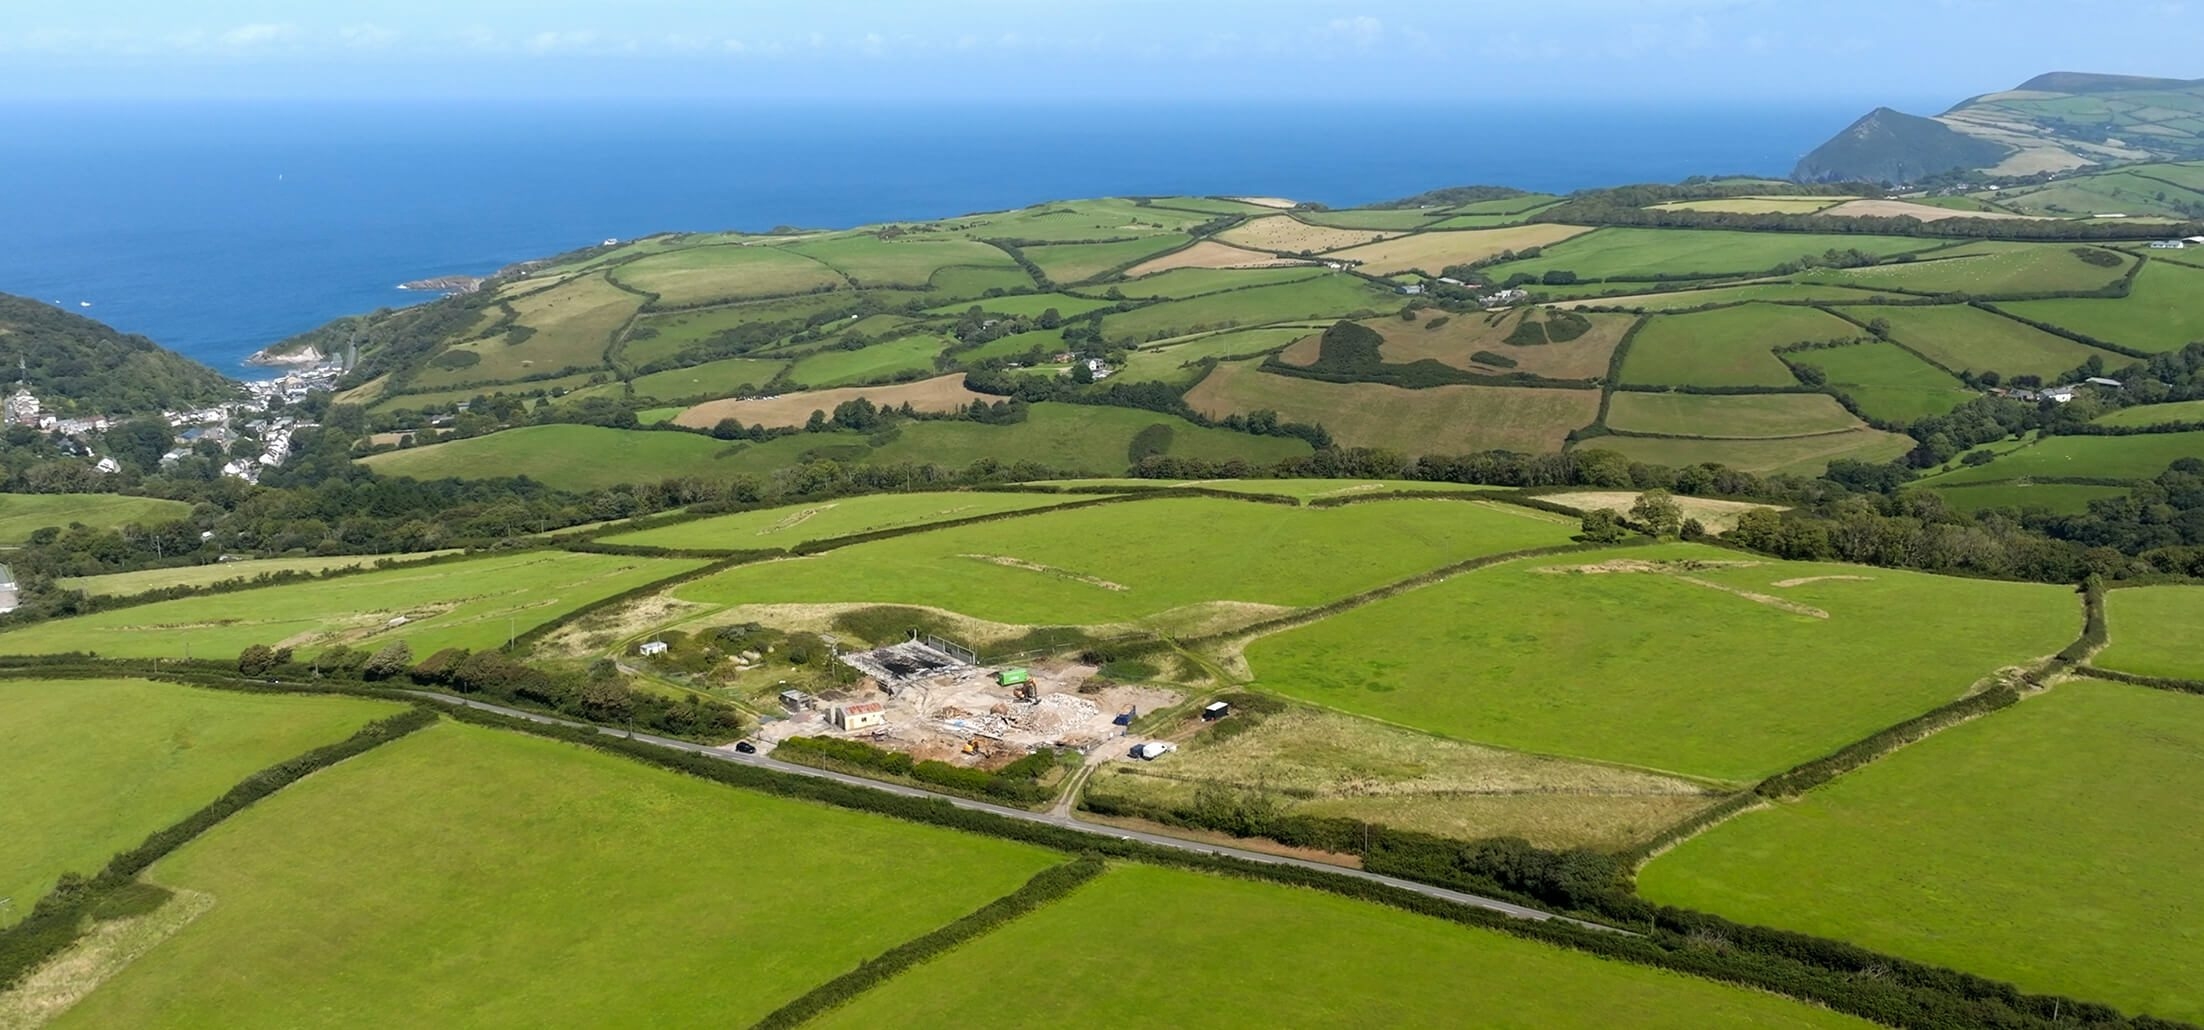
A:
(1887, 381)
(1174, 948)
(24, 514)
(1314, 762)
(2048, 845)
(574, 324)
(440, 873)
(93, 766)
(1798, 455)
(1436, 420)
(702, 275)
(1719, 672)
(1965, 338)
(2094, 457)
(1123, 562)
(2163, 312)
(1206, 254)
(1433, 252)
(564, 457)
(821, 520)
(941, 393)
(1734, 416)
(1727, 346)
(2154, 632)
(473, 604)
(1288, 235)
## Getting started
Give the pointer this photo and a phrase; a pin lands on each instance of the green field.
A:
(1436, 420)
(1635, 252)
(93, 766)
(1964, 338)
(2164, 312)
(1179, 364)
(1106, 218)
(1181, 283)
(2154, 414)
(1737, 416)
(976, 282)
(657, 337)
(468, 875)
(1138, 560)
(1167, 948)
(123, 584)
(1635, 295)
(1302, 489)
(711, 379)
(2154, 632)
(574, 325)
(2062, 498)
(1392, 220)
(1332, 295)
(874, 362)
(1804, 456)
(1666, 672)
(1726, 346)
(564, 457)
(1076, 262)
(704, 275)
(1986, 270)
(1027, 305)
(870, 261)
(531, 388)
(2092, 457)
(823, 520)
(1887, 382)
(472, 604)
(2049, 845)
(24, 514)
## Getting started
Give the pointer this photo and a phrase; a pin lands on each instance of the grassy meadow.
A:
(2047, 845)
(1987, 270)
(1077, 262)
(506, 880)
(837, 367)
(2153, 631)
(1118, 563)
(123, 584)
(823, 520)
(1436, 420)
(1887, 382)
(2154, 414)
(705, 275)
(1668, 669)
(1738, 416)
(2062, 498)
(2095, 457)
(1801, 455)
(1175, 948)
(24, 514)
(564, 457)
(1332, 295)
(1727, 346)
(1686, 252)
(94, 766)
(1963, 338)
(711, 379)
(472, 604)
(2164, 311)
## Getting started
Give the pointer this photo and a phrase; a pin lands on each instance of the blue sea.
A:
(219, 228)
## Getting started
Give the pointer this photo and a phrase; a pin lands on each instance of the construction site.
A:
(931, 700)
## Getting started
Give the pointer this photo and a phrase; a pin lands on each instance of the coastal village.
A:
(256, 415)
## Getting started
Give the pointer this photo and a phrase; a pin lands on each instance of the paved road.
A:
(1059, 818)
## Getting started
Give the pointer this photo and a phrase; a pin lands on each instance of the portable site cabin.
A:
(863, 715)
(651, 648)
(1215, 710)
(798, 701)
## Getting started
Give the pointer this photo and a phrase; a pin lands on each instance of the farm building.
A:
(863, 715)
(798, 701)
(2169, 244)
(1215, 710)
(653, 647)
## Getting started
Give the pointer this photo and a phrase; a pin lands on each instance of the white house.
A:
(2061, 394)
(653, 647)
(2169, 244)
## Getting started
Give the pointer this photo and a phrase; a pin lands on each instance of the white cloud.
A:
(258, 35)
(367, 37)
(1361, 32)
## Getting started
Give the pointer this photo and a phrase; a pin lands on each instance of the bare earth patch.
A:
(1718, 516)
(1280, 203)
(598, 631)
(941, 393)
(1211, 254)
(1803, 580)
(111, 945)
(1047, 570)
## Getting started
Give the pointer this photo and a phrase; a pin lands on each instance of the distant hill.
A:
(76, 365)
(2055, 122)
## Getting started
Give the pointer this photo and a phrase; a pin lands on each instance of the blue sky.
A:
(1910, 53)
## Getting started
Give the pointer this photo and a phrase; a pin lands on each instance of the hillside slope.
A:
(2054, 122)
(78, 366)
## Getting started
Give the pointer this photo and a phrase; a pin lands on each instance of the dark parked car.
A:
(746, 747)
